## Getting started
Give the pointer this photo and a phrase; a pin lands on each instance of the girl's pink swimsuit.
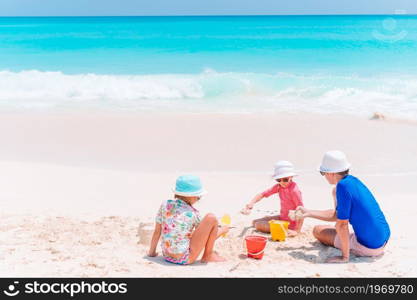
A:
(290, 198)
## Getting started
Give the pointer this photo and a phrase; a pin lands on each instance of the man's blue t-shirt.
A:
(357, 204)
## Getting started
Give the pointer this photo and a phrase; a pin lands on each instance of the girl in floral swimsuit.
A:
(184, 233)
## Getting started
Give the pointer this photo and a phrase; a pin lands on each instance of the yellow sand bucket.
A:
(278, 230)
(226, 220)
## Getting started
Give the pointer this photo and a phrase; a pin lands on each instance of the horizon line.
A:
(226, 15)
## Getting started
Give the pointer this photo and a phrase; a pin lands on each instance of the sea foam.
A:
(209, 91)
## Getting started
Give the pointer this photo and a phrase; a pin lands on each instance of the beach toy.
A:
(226, 220)
(295, 215)
(291, 215)
(278, 230)
(255, 246)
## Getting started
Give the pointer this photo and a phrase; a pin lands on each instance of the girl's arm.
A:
(298, 201)
(255, 199)
(222, 230)
(299, 225)
(155, 239)
(247, 209)
(297, 229)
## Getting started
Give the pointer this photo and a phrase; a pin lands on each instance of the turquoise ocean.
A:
(353, 65)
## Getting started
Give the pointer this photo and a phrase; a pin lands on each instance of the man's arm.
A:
(343, 200)
(342, 230)
(328, 215)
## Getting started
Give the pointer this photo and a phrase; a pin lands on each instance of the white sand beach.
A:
(74, 188)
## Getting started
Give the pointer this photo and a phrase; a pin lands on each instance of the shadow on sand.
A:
(161, 261)
(321, 253)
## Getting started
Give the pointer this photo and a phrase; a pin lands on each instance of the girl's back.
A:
(178, 219)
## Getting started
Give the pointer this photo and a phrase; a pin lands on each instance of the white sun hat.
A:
(283, 169)
(334, 161)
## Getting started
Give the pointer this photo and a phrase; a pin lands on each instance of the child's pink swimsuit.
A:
(290, 198)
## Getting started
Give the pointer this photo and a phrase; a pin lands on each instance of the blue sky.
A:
(200, 7)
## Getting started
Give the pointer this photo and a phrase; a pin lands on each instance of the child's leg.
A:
(204, 237)
(267, 218)
(262, 224)
(295, 228)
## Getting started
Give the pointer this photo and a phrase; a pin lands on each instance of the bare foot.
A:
(292, 233)
(214, 257)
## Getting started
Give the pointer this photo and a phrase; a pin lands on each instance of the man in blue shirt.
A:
(354, 204)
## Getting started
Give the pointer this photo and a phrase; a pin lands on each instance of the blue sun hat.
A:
(189, 186)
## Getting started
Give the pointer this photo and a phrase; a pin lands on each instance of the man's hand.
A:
(305, 212)
(337, 260)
